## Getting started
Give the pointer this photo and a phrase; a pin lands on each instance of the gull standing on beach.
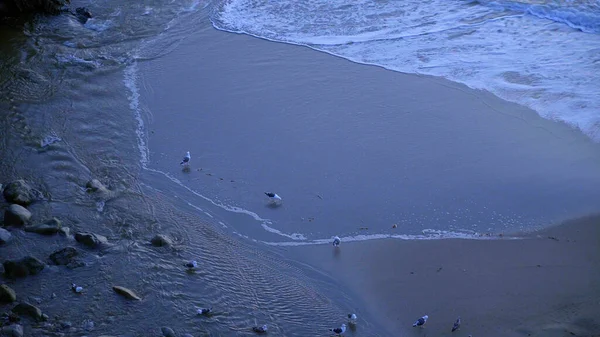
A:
(456, 325)
(204, 311)
(186, 159)
(352, 318)
(421, 321)
(260, 329)
(340, 330)
(336, 241)
(274, 198)
(191, 265)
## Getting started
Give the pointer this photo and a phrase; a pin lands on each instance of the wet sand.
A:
(540, 284)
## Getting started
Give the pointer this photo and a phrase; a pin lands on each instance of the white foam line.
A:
(130, 81)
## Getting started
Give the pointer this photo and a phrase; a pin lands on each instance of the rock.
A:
(167, 332)
(28, 309)
(19, 192)
(66, 257)
(28, 265)
(7, 295)
(15, 8)
(49, 228)
(4, 236)
(16, 215)
(64, 231)
(14, 330)
(160, 240)
(126, 293)
(187, 335)
(90, 239)
(95, 185)
(83, 14)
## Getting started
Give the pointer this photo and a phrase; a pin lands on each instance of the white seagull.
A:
(76, 289)
(336, 241)
(260, 329)
(456, 325)
(421, 321)
(273, 196)
(186, 159)
(352, 318)
(340, 330)
(204, 311)
(191, 265)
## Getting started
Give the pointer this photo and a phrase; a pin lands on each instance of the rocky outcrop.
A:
(28, 265)
(12, 8)
(90, 239)
(16, 215)
(26, 309)
(7, 295)
(161, 240)
(19, 192)
(66, 257)
(4, 236)
(49, 228)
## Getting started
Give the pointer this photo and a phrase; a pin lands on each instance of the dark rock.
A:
(20, 268)
(7, 295)
(14, 330)
(66, 257)
(167, 332)
(160, 240)
(28, 309)
(83, 14)
(19, 192)
(90, 239)
(126, 293)
(16, 215)
(4, 236)
(49, 228)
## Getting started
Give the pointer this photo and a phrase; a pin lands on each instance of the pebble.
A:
(167, 332)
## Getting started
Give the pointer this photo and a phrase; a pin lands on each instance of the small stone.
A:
(49, 228)
(167, 332)
(14, 330)
(90, 239)
(19, 192)
(28, 309)
(28, 265)
(64, 231)
(45, 317)
(7, 295)
(160, 240)
(16, 215)
(126, 293)
(65, 256)
(4, 236)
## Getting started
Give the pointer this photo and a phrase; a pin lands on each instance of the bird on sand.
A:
(421, 321)
(186, 159)
(76, 289)
(352, 318)
(260, 329)
(204, 311)
(191, 265)
(340, 330)
(273, 196)
(456, 325)
(336, 241)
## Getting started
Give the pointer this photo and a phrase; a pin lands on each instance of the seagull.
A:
(260, 329)
(336, 241)
(340, 330)
(76, 289)
(421, 321)
(456, 325)
(352, 318)
(186, 159)
(191, 265)
(273, 196)
(204, 311)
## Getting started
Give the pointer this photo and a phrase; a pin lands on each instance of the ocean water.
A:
(541, 54)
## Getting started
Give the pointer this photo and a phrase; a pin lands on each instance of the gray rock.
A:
(160, 240)
(49, 228)
(28, 265)
(19, 192)
(90, 239)
(167, 332)
(4, 236)
(14, 330)
(95, 185)
(64, 231)
(66, 257)
(28, 309)
(7, 295)
(16, 215)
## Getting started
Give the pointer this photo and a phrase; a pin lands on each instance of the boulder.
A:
(26, 309)
(28, 265)
(16, 215)
(167, 332)
(15, 330)
(19, 192)
(66, 257)
(126, 293)
(49, 228)
(4, 236)
(7, 295)
(160, 240)
(90, 239)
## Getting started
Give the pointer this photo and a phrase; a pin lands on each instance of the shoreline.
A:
(544, 284)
